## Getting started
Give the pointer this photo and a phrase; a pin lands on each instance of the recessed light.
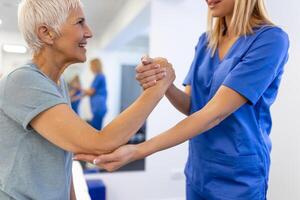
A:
(14, 48)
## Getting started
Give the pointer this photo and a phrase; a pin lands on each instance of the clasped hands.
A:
(155, 73)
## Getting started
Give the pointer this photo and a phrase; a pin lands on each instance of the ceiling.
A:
(99, 15)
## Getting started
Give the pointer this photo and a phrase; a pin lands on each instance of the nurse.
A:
(97, 94)
(231, 84)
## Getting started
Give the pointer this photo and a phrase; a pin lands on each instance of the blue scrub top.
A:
(98, 100)
(231, 161)
(75, 104)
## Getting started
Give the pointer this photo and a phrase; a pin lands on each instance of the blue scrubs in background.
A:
(231, 161)
(98, 101)
(75, 104)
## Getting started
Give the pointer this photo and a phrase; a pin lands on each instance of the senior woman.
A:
(38, 129)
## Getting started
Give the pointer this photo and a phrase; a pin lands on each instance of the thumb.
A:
(105, 158)
(84, 157)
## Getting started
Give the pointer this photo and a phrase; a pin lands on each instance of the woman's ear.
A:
(45, 34)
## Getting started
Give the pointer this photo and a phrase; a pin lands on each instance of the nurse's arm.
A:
(180, 99)
(225, 102)
(89, 92)
(62, 127)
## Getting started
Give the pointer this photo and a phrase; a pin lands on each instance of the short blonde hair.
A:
(247, 14)
(33, 13)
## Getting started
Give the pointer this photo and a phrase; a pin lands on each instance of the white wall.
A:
(285, 174)
(8, 61)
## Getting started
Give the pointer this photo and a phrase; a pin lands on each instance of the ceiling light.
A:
(14, 48)
(0, 21)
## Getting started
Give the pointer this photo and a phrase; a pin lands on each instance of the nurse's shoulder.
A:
(202, 41)
(272, 33)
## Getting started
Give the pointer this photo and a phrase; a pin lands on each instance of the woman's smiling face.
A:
(73, 37)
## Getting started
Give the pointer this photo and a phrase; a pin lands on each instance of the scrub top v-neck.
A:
(229, 51)
(231, 160)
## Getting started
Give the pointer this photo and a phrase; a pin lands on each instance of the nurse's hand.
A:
(152, 70)
(113, 161)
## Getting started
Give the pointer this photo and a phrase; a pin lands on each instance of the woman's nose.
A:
(88, 32)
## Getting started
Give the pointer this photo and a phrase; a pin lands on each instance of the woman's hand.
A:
(150, 71)
(113, 161)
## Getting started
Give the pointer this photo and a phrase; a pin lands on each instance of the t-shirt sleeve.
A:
(28, 93)
(260, 66)
(189, 77)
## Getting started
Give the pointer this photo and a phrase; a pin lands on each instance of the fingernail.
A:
(157, 66)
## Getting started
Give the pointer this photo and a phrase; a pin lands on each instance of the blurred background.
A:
(124, 31)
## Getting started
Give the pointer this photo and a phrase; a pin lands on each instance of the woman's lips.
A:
(212, 3)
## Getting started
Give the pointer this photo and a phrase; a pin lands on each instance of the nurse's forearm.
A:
(183, 131)
(179, 99)
(89, 92)
(225, 102)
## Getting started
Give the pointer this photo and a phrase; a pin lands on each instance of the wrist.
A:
(141, 151)
(170, 89)
(155, 92)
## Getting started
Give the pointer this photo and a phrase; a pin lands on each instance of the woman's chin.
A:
(77, 60)
(217, 13)
(81, 59)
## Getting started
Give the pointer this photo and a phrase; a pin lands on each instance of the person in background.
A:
(97, 93)
(75, 93)
(229, 89)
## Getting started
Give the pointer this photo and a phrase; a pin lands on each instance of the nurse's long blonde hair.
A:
(247, 14)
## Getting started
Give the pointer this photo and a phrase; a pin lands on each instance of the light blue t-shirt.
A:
(31, 167)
